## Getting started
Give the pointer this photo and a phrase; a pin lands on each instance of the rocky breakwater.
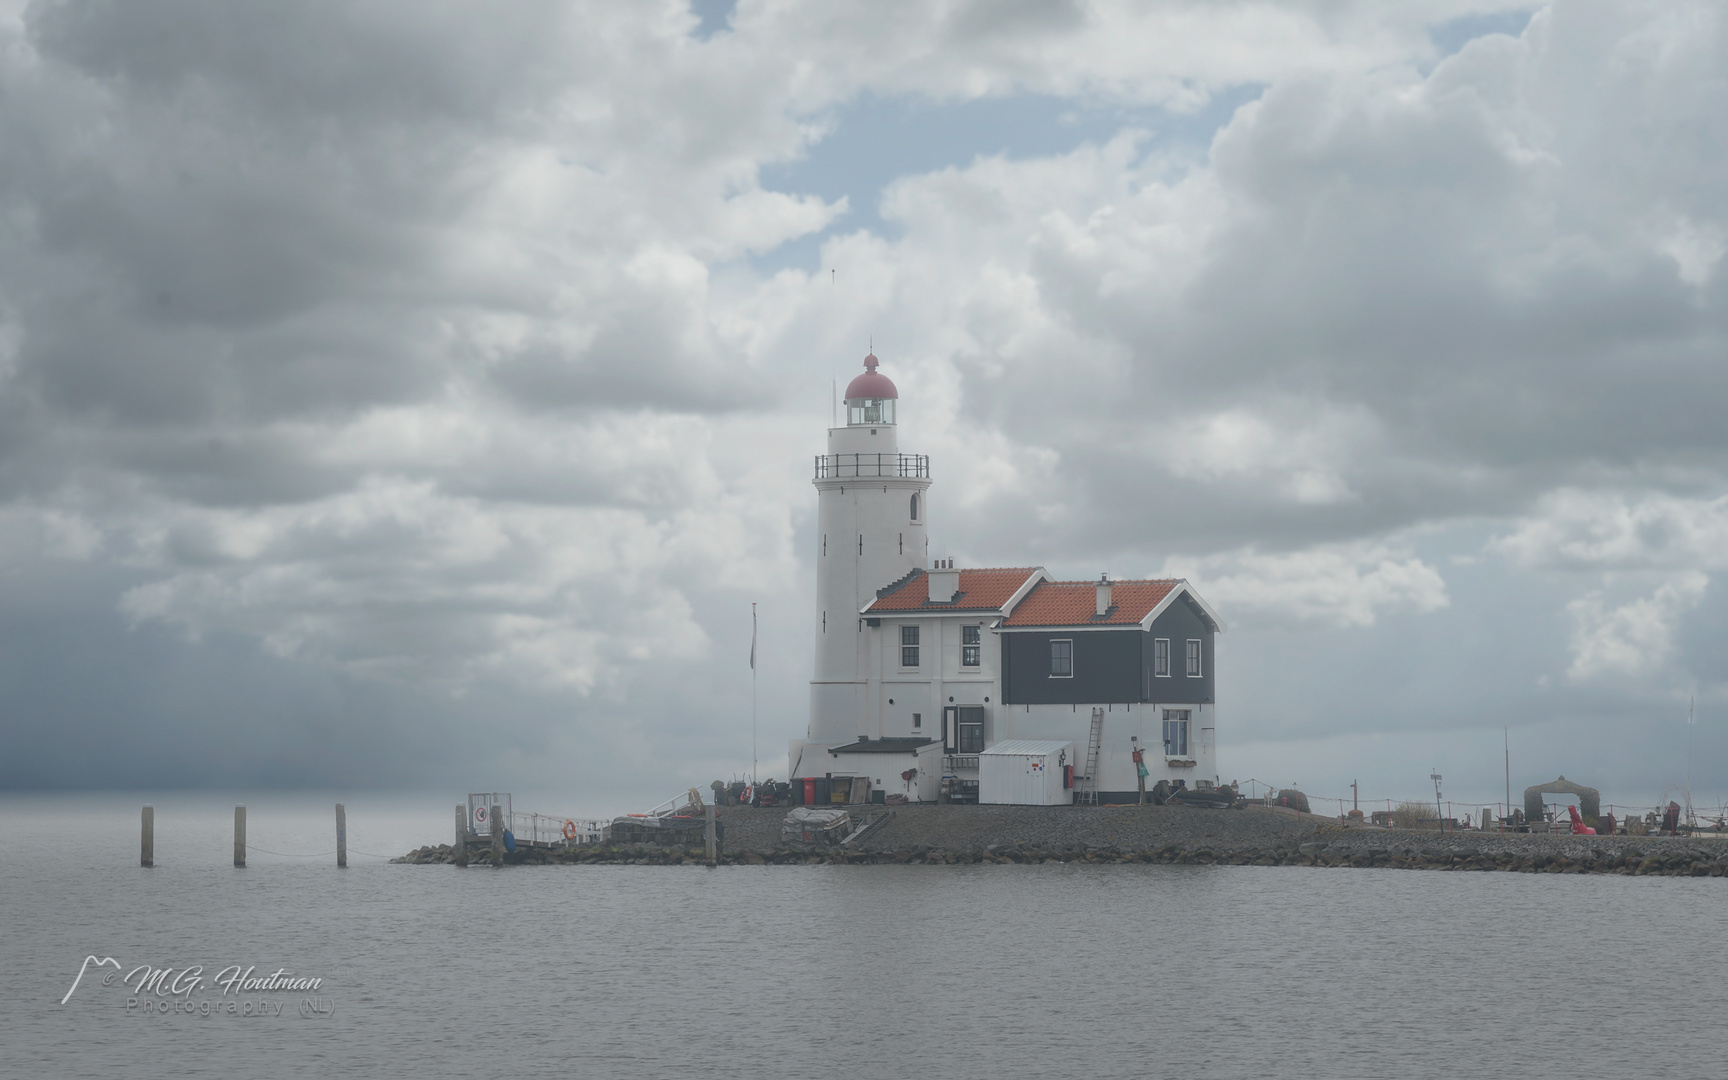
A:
(1520, 853)
(1255, 836)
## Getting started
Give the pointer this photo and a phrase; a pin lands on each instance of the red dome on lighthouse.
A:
(871, 384)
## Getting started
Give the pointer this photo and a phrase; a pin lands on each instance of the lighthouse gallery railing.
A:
(848, 466)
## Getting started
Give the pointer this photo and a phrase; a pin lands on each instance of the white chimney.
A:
(1103, 593)
(944, 581)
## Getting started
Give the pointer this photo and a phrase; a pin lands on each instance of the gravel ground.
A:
(1125, 828)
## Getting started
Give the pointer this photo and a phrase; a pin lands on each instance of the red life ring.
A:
(569, 830)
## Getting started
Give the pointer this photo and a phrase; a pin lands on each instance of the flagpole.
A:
(752, 695)
(1691, 705)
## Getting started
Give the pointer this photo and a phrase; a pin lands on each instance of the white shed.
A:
(1027, 772)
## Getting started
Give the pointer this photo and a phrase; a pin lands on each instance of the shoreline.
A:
(1252, 836)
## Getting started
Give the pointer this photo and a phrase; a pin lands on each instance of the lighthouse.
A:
(872, 505)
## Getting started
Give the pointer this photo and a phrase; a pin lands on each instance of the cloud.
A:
(1614, 530)
(1635, 638)
(1340, 586)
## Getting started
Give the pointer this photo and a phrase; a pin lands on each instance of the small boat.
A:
(1222, 798)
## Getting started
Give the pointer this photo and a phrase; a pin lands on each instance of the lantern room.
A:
(871, 397)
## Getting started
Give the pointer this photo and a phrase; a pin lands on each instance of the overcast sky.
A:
(420, 394)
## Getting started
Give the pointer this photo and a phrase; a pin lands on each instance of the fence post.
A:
(147, 836)
(497, 837)
(341, 835)
(461, 849)
(239, 836)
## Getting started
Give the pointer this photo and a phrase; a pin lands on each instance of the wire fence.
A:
(1465, 815)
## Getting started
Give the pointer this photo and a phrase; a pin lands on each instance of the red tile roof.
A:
(1075, 603)
(980, 590)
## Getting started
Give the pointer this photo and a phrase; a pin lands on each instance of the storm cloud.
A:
(438, 385)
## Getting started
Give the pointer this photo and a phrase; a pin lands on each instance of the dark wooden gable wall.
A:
(1110, 665)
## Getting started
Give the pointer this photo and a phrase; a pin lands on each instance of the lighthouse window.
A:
(908, 646)
(1062, 659)
(971, 645)
(870, 411)
(914, 508)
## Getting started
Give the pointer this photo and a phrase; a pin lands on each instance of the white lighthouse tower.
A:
(871, 533)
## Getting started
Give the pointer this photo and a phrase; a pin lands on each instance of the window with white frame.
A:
(1161, 658)
(1193, 658)
(1176, 733)
(1062, 659)
(971, 646)
(908, 646)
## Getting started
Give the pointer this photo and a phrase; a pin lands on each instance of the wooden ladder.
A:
(1094, 744)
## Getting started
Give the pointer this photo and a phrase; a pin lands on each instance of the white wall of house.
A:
(1122, 723)
(895, 693)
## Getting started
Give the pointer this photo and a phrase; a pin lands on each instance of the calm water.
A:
(992, 971)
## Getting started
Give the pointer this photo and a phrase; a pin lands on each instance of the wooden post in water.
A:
(708, 834)
(147, 836)
(341, 835)
(239, 836)
(497, 837)
(461, 848)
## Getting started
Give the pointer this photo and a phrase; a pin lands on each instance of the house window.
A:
(1193, 658)
(1161, 658)
(970, 738)
(1176, 733)
(917, 720)
(971, 645)
(908, 646)
(1062, 659)
(914, 507)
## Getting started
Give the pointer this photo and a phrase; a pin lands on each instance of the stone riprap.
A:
(1256, 836)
